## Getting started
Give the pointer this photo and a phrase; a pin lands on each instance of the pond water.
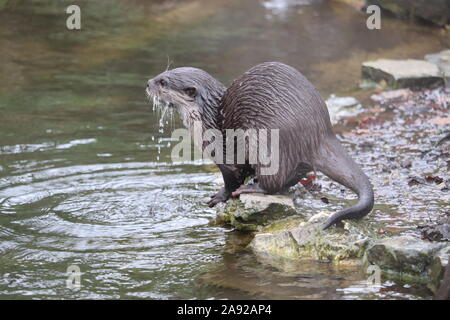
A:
(86, 177)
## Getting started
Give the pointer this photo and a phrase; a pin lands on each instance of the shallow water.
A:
(85, 172)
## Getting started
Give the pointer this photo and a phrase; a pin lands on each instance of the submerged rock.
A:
(403, 73)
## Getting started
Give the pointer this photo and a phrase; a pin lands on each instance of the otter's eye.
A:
(162, 82)
(191, 92)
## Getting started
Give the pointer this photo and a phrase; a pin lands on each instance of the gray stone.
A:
(442, 61)
(403, 73)
(285, 237)
(438, 267)
(409, 259)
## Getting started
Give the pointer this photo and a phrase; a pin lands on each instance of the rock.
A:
(438, 269)
(242, 273)
(436, 11)
(251, 212)
(340, 107)
(299, 240)
(409, 260)
(406, 163)
(403, 73)
(392, 96)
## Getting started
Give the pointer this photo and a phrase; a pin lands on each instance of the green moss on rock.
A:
(284, 237)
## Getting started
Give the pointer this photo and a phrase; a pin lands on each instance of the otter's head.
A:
(192, 92)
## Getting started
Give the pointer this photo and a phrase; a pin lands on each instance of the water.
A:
(85, 172)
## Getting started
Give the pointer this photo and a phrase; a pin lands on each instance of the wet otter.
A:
(269, 96)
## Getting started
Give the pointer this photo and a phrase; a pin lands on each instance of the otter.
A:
(271, 95)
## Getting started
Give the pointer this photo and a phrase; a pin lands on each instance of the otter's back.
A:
(273, 95)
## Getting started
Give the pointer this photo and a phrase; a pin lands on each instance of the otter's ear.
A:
(191, 92)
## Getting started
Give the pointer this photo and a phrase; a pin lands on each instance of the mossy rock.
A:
(410, 73)
(307, 241)
(252, 212)
(410, 260)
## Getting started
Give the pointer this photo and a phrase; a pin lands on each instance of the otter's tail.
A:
(333, 161)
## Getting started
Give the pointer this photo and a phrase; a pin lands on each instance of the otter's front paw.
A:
(221, 196)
